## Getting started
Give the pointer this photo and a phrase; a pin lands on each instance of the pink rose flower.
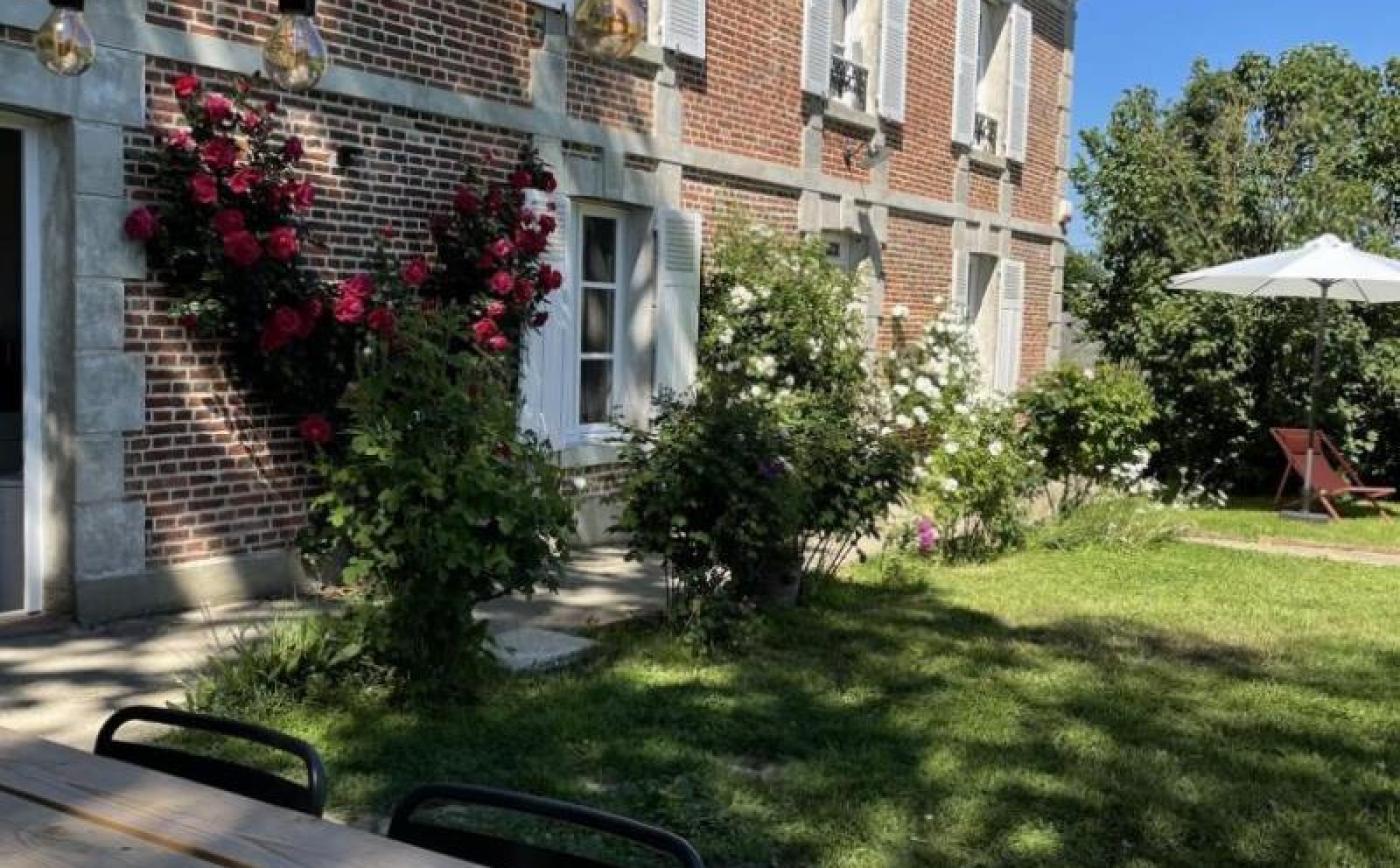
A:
(282, 243)
(219, 153)
(381, 320)
(550, 279)
(498, 344)
(501, 248)
(242, 181)
(349, 309)
(228, 221)
(416, 272)
(180, 140)
(496, 310)
(217, 108)
(242, 249)
(484, 329)
(520, 179)
(186, 86)
(502, 282)
(204, 189)
(466, 202)
(360, 286)
(142, 224)
(301, 194)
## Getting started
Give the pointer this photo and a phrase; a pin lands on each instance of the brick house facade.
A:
(928, 136)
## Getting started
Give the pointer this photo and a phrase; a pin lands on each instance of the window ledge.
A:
(987, 159)
(590, 450)
(648, 53)
(843, 113)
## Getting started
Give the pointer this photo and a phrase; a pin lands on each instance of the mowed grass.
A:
(1180, 705)
(1259, 520)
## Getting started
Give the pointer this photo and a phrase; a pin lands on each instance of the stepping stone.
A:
(527, 649)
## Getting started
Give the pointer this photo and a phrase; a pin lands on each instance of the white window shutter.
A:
(1010, 320)
(816, 47)
(958, 305)
(566, 6)
(969, 33)
(547, 353)
(1018, 103)
(683, 27)
(894, 51)
(677, 300)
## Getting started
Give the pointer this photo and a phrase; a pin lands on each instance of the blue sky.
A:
(1125, 43)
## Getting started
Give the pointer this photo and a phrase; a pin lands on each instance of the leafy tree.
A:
(1249, 160)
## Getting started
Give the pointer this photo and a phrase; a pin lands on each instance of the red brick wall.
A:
(838, 140)
(479, 47)
(922, 158)
(714, 196)
(1035, 338)
(1037, 195)
(746, 97)
(611, 93)
(984, 189)
(918, 264)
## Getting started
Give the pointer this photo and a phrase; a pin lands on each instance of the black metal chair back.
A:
(493, 851)
(308, 798)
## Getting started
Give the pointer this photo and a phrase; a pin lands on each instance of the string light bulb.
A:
(63, 43)
(610, 28)
(294, 55)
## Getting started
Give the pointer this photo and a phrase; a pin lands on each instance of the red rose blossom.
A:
(381, 320)
(242, 249)
(243, 181)
(251, 120)
(142, 224)
(496, 310)
(501, 248)
(498, 344)
(416, 272)
(550, 279)
(180, 140)
(282, 243)
(315, 429)
(466, 202)
(486, 262)
(484, 329)
(520, 179)
(349, 309)
(217, 108)
(228, 221)
(292, 149)
(502, 282)
(204, 189)
(546, 182)
(310, 314)
(186, 86)
(387, 231)
(219, 153)
(547, 223)
(360, 286)
(301, 194)
(288, 320)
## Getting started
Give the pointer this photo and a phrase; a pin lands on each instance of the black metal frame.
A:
(222, 774)
(847, 76)
(76, 5)
(496, 852)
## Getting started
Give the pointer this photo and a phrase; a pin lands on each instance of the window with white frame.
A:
(850, 59)
(853, 53)
(600, 300)
(991, 99)
(994, 314)
(676, 25)
(992, 71)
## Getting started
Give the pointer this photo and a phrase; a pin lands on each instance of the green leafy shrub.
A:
(440, 503)
(1091, 429)
(973, 472)
(1114, 521)
(777, 465)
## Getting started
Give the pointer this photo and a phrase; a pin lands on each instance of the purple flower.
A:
(928, 536)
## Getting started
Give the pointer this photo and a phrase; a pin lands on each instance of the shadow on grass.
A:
(886, 727)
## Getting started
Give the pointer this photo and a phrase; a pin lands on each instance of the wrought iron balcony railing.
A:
(849, 80)
(986, 134)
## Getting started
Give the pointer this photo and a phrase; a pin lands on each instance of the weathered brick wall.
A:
(746, 97)
(984, 189)
(1035, 338)
(1037, 195)
(918, 260)
(716, 196)
(611, 93)
(922, 158)
(844, 152)
(478, 47)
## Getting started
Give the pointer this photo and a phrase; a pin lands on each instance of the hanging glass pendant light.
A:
(610, 28)
(295, 55)
(63, 43)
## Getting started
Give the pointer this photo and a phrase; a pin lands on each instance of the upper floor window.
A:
(992, 82)
(991, 87)
(850, 60)
(853, 53)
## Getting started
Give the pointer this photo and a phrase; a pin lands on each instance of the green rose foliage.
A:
(777, 465)
(1248, 160)
(1090, 427)
(441, 504)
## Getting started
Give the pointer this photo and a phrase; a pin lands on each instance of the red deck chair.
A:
(1327, 482)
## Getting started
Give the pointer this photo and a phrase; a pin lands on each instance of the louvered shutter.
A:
(683, 27)
(816, 47)
(1018, 103)
(547, 352)
(678, 300)
(566, 6)
(894, 49)
(958, 306)
(965, 71)
(1010, 319)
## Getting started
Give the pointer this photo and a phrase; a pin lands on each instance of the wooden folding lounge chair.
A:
(1328, 483)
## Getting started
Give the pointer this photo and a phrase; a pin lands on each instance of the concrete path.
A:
(62, 683)
(1298, 549)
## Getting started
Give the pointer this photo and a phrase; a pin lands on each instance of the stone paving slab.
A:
(1316, 551)
(62, 683)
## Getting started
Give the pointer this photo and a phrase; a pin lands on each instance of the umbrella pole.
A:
(1308, 494)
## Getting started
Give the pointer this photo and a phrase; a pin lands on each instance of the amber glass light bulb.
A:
(63, 43)
(610, 28)
(295, 55)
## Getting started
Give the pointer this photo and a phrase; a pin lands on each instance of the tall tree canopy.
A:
(1248, 160)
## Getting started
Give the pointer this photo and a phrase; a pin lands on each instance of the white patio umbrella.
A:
(1326, 269)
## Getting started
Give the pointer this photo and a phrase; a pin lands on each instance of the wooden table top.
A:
(63, 807)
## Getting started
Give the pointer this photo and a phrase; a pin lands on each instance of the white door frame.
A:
(32, 461)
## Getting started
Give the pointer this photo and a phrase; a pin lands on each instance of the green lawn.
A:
(1259, 519)
(1175, 706)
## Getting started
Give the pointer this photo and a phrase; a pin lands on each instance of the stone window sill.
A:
(987, 160)
(844, 114)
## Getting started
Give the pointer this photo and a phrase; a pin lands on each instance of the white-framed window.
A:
(991, 100)
(675, 25)
(601, 287)
(992, 292)
(853, 53)
(850, 58)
